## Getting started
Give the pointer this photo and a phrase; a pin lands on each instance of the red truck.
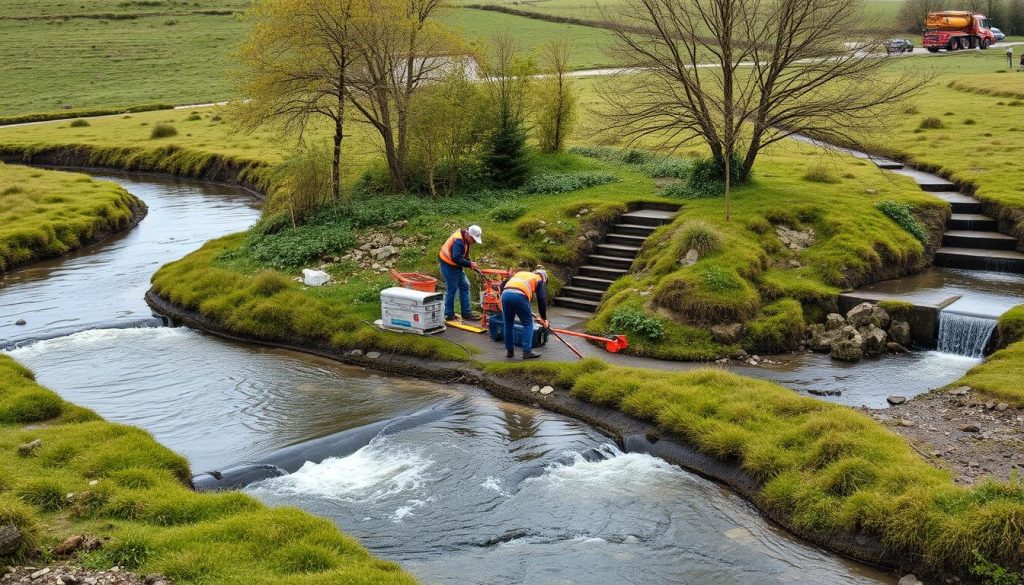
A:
(954, 30)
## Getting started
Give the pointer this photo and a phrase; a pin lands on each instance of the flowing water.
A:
(964, 334)
(490, 493)
(103, 285)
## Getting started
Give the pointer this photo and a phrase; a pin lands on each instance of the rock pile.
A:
(379, 250)
(866, 330)
(795, 239)
(61, 575)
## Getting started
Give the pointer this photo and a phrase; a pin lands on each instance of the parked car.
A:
(897, 46)
(998, 34)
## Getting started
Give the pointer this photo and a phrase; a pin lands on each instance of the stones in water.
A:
(964, 334)
(866, 314)
(895, 400)
(866, 330)
(20, 322)
(899, 332)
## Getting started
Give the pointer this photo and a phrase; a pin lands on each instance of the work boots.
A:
(529, 355)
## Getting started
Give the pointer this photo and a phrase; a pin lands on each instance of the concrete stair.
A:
(613, 256)
(972, 239)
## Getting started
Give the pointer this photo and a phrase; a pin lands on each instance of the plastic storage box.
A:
(404, 309)
(496, 329)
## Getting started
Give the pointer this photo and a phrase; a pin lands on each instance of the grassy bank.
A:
(114, 482)
(965, 127)
(823, 469)
(48, 213)
(747, 275)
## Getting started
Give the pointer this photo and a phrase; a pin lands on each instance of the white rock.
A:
(39, 573)
(910, 579)
(535, 389)
(547, 390)
(314, 277)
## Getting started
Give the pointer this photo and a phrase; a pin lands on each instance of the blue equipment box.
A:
(496, 326)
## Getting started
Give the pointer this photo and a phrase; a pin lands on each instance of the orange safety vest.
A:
(524, 282)
(446, 250)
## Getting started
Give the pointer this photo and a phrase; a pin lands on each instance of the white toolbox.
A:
(412, 311)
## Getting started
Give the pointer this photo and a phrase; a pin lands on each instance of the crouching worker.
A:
(454, 258)
(516, 295)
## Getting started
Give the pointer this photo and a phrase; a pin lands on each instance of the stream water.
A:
(490, 493)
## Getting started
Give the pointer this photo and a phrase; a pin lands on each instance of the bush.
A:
(819, 173)
(700, 236)
(508, 212)
(163, 130)
(295, 247)
(79, 123)
(903, 215)
(931, 123)
(634, 320)
(304, 183)
(707, 177)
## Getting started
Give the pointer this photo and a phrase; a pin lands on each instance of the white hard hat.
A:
(477, 233)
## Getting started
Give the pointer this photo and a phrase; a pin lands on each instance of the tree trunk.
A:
(336, 166)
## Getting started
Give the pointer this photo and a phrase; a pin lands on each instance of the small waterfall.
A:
(964, 334)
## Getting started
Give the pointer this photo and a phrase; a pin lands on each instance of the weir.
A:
(964, 334)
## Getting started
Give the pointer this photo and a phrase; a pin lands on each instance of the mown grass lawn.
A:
(88, 476)
(48, 213)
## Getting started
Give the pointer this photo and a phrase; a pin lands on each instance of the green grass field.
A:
(116, 483)
(47, 213)
(980, 136)
(125, 53)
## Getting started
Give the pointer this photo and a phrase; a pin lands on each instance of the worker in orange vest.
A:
(516, 295)
(454, 258)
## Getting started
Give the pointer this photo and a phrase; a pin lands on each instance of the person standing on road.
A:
(454, 259)
(516, 295)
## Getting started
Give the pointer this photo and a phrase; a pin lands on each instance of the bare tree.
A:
(294, 68)
(556, 97)
(401, 46)
(739, 75)
(913, 13)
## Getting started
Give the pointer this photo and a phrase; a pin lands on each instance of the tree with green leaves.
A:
(446, 128)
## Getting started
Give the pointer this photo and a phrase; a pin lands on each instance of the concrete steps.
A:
(613, 257)
(972, 239)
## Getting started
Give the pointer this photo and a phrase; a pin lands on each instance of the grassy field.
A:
(973, 137)
(823, 468)
(123, 53)
(88, 476)
(47, 213)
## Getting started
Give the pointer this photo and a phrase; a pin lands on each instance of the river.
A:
(490, 493)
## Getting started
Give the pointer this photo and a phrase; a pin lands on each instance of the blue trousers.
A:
(515, 305)
(455, 283)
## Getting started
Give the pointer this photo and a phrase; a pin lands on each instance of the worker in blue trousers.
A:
(516, 295)
(454, 259)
